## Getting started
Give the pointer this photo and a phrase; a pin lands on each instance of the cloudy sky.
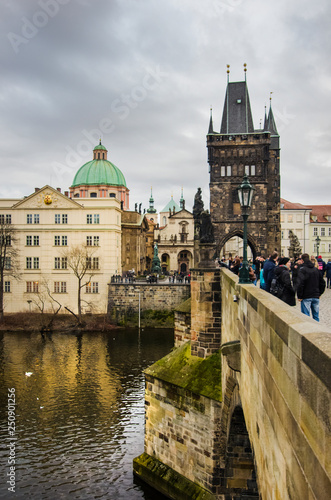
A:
(143, 74)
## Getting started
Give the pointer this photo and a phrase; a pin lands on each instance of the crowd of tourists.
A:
(288, 279)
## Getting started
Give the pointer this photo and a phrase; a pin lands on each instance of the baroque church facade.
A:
(238, 149)
(94, 219)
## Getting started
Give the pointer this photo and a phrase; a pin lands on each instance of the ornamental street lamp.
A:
(245, 194)
(318, 241)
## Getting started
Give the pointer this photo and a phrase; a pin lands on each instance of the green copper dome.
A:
(96, 172)
(100, 146)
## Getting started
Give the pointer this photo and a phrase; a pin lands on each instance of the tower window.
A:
(228, 170)
(222, 171)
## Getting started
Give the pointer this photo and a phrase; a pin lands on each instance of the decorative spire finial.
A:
(270, 98)
(245, 69)
(228, 71)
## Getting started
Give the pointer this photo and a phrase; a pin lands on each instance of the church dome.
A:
(99, 171)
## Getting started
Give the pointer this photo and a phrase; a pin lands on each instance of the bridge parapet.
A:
(284, 385)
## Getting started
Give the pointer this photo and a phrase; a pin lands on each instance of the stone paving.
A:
(325, 308)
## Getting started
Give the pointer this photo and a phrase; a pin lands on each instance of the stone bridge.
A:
(242, 409)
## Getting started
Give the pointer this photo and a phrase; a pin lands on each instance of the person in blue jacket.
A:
(268, 270)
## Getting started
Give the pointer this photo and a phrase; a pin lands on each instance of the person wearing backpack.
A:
(285, 290)
(310, 286)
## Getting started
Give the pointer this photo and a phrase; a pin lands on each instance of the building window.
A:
(57, 241)
(8, 219)
(57, 218)
(92, 241)
(35, 262)
(64, 241)
(96, 219)
(93, 195)
(29, 241)
(7, 263)
(329, 247)
(290, 218)
(223, 171)
(322, 231)
(28, 263)
(329, 231)
(29, 218)
(315, 231)
(60, 263)
(60, 287)
(92, 263)
(89, 219)
(32, 286)
(282, 236)
(228, 170)
(299, 218)
(64, 219)
(7, 287)
(92, 287)
(253, 170)
(36, 241)
(247, 169)
(36, 218)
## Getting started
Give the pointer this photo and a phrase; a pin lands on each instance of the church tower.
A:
(233, 151)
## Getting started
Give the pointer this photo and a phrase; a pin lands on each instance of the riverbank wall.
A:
(126, 299)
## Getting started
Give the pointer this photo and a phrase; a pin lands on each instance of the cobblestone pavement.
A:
(325, 308)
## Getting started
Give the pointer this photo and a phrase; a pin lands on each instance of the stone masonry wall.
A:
(182, 431)
(125, 297)
(284, 387)
(205, 311)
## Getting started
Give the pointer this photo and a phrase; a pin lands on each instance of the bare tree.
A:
(79, 260)
(9, 263)
(41, 299)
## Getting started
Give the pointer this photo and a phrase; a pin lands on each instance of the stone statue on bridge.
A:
(156, 265)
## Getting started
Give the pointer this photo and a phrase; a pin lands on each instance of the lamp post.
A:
(245, 194)
(318, 241)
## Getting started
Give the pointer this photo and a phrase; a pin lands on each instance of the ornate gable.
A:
(47, 197)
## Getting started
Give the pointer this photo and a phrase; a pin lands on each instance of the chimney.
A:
(36, 190)
(58, 189)
(66, 193)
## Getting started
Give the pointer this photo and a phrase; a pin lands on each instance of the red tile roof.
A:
(321, 211)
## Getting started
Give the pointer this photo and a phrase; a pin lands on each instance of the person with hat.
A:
(282, 273)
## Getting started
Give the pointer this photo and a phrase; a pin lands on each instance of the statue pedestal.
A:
(206, 251)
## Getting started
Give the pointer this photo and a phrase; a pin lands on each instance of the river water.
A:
(78, 418)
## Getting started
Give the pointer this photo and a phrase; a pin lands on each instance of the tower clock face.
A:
(48, 199)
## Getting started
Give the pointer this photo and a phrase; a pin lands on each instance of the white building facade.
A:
(49, 225)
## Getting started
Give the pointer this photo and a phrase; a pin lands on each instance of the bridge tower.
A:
(237, 149)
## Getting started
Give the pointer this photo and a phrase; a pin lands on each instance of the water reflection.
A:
(80, 415)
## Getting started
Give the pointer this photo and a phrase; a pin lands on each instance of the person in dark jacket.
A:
(268, 270)
(328, 273)
(295, 271)
(283, 272)
(310, 286)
